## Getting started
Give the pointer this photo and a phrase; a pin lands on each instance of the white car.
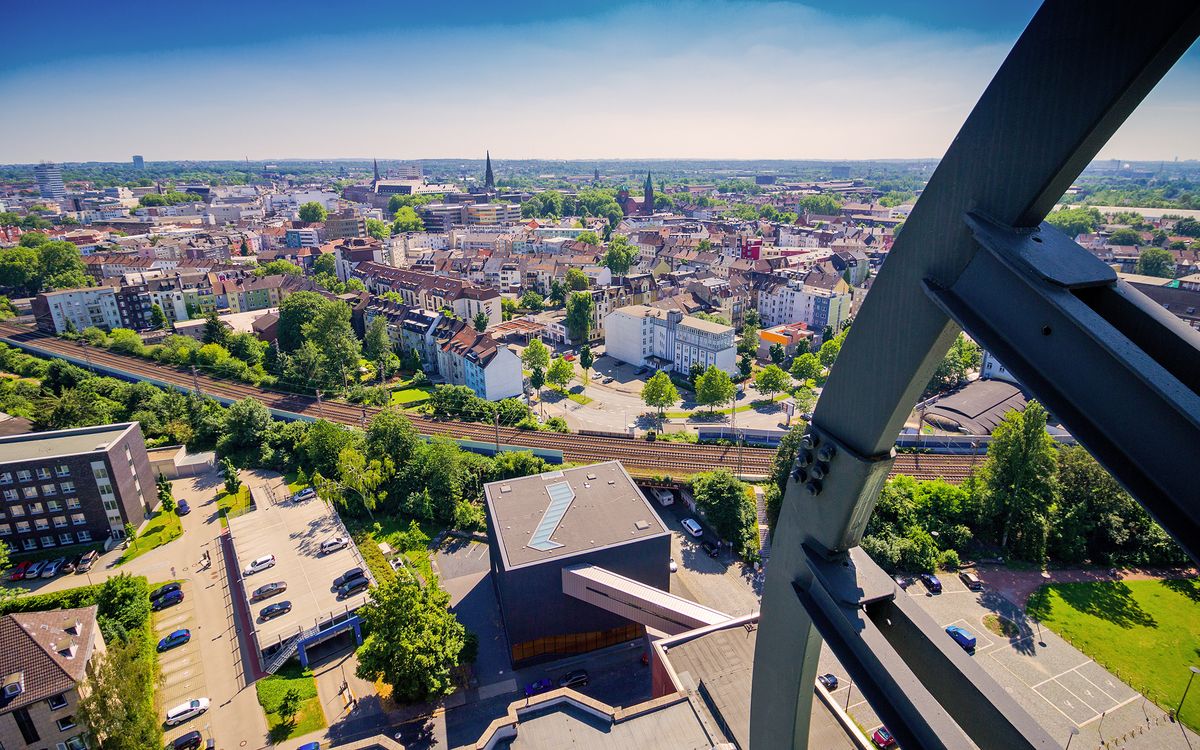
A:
(258, 565)
(186, 711)
(304, 494)
(335, 544)
(692, 527)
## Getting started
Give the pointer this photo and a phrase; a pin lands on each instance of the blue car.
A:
(310, 746)
(169, 599)
(178, 638)
(931, 582)
(541, 686)
(182, 508)
(961, 636)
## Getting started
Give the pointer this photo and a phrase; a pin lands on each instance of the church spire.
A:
(648, 195)
(376, 162)
(489, 180)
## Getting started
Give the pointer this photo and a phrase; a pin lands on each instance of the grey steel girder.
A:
(1077, 72)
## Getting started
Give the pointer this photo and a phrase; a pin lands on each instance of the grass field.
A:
(271, 690)
(234, 504)
(409, 396)
(1145, 632)
(159, 530)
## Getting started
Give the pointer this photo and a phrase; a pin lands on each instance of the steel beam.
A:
(1072, 78)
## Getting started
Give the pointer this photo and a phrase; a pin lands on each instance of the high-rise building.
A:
(50, 181)
(138, 162)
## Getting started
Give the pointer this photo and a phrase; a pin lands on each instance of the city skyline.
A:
(730, 80)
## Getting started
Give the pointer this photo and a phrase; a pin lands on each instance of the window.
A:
(10, 495)
(29, 544)
(48, 541)
(22, 527)
(17, 511)
(53, 505)
(6, 478)
(63, 470)
(43, 473)
(60, 522)
(100, 471)
(84, 536)
(78, 519)
(5, 529)
(35, 508)
(41, 524)
(56, 702)
(67, 487)
(73, 503)
(29, 492)
(66, 538)
(104, 488)
(49, 489)
(75, 743)
(24, 475)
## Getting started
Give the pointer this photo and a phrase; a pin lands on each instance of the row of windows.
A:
(31, 492)
(33, 509)
(65, 539)
(25, 475)
(42, 524)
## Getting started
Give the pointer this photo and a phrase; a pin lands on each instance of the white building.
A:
(817, 300)
(992, 369)
(57, 312)
(668, 339)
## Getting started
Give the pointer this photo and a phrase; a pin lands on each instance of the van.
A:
(86, 561)
(664, 497)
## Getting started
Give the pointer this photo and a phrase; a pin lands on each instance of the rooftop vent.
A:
(591, 476)
(505, 488)
(14, 685)
(641, 525)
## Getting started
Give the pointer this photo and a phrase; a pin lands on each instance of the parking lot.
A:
(182, 667)
(293, 533)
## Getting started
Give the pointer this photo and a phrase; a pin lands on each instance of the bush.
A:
(557, 424)
(948, 560)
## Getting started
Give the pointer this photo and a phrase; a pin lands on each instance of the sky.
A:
(549, 79)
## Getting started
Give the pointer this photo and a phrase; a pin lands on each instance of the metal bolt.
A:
(819, 471)
(805, 459)
(827, 452)
(800, 475)
(809, 441)
(813, 487)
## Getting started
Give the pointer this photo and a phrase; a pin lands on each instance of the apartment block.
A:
(668, 340)
(67, 309)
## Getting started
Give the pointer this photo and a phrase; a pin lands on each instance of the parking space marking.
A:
(1066, 703)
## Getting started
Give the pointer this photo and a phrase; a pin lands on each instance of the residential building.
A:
(73, 486)
(75, 309)
(491, 213)
(668, 340)
(350, 251)
(795, 338)
(431, 291)
(302, 237)
(44, 665)
(817, 299)
(50, 181)
(345, 224)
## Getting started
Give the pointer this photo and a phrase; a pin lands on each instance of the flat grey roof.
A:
(978, 407)
(674, 727)
(605, 508)
(42, 445)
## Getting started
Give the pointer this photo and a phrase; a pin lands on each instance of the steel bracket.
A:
(1044, 306)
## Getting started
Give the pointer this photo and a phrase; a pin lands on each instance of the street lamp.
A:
(1195, 671)
(1074, 731)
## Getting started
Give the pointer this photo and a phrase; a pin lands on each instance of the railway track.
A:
(666, 458)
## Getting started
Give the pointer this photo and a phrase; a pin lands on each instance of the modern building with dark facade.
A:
(539, 525)
(73, 486)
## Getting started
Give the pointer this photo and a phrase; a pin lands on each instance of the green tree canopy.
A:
(406, 220)
(659, 392)
(579, 316)
(536, 356)
(1125, 237)
(560, 373)
(807, 367)
(620, 255)
(1019, 481)
(714, 386)
(1155, 261)
(312, 212)
(279, 267)
(588, 238)
(772, 379)
(726, 504)
(576, 280)
(1076, 221)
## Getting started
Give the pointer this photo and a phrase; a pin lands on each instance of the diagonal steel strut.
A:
(1073, 77)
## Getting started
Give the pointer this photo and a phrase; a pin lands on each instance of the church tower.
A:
(648, 196)
(489, 180)
(376, 162)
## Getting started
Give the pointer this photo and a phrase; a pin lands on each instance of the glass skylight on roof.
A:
(561, 496)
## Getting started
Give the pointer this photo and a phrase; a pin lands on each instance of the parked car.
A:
(608, 379)
(259, 564)
(182, 508)
(178, 638)
(351, 587)
(883, 738)
(569, 356)
(541, 686)
(86, 561)
(185, 711)
(335, 544)
(828, 681)
(692, 526)
(902, 581)
(931, 582)
(673, 567)
(962, 637)
(664, 497)
(710, 549)
(166, 600)
(190, 741)
(574, 678)
(19, 572)
(348, 576)
(68, 566)
(275, 610)
(970, 580)
(35, 570)
(266, 591)
(305, 494)
(310, 746)
(53, 568)
(164, 590)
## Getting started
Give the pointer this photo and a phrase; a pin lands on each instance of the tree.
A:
(588, 238)
(61, 266)
(745, 366)
(620, 255)
(377, 345)
(215, 330)
(748, 343)
(1187, 227)
(414, 642)
(289, 705)
(279, 267)
(824, 205)
(778, 354)
(1076, 221)
(1125, 237)
(1019, 484)
(20, 270)
(117, 706)
(537, 379)
(481, 321)
(806, 367)
(579, 316)
(330, 331)
(576, 280)
(391, 434)
(532, 301)
(558, 292)
(560, 373)
(829, 351)
(1155, 261)
(586, 360)
(536, 355)
(726, 504)
(407, 220)
(313, 211)
(659, 392)
(294, 311)
(380, 230)
(158, 319)
(772, 379)
(244, 428)
(714, 386)
(963, 356)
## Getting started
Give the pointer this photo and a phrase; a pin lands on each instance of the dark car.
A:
(182, 508)
(710, 549)
(86, 561)
(348, 576)
(575, 678)
(275, 610)
(828, 681)
(541, 686)
(164, 590)
(962, 637)
(68, 566)
(351, 587)
(931, 582)
(266, 591)
(178, 638)
(169, 599)
(902, 581)
(190, 741)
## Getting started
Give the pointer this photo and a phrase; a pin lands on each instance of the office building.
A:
(138, 162)
(73, 486)
(50, 181)
(668, 340)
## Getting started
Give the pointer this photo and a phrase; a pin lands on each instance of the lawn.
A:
(233, 505)
(159, 530)
(271, 690)
(409, 396)
(1145, 632)
(390, 528)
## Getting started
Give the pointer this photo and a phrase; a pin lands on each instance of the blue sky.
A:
(573, 79)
